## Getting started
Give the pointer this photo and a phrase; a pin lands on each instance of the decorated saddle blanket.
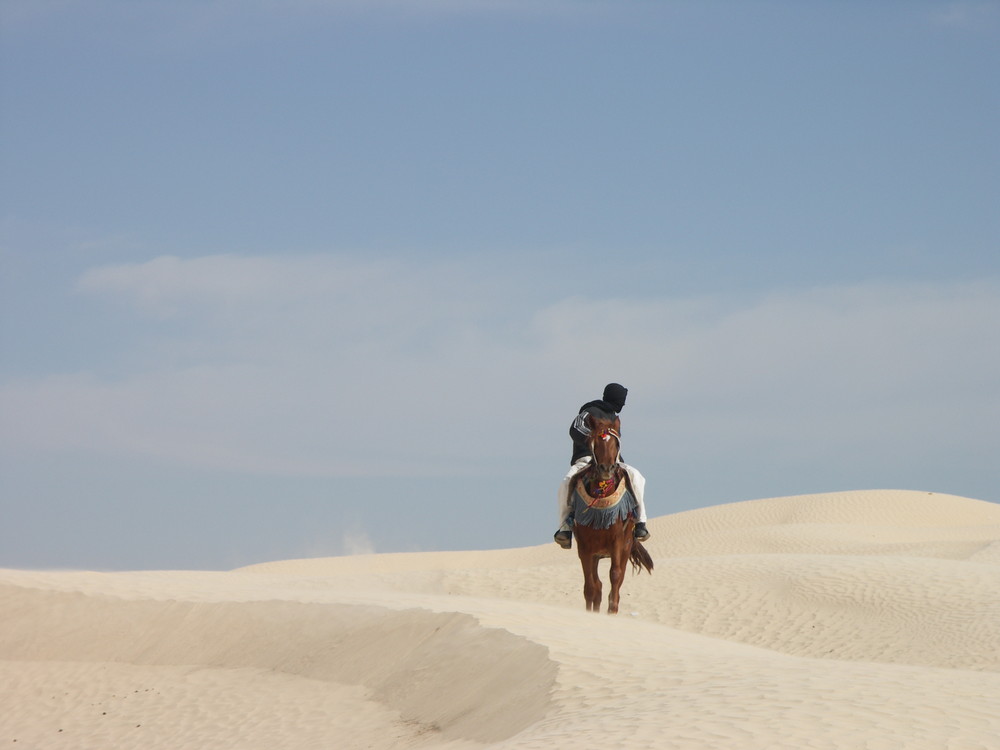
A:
(602, 512)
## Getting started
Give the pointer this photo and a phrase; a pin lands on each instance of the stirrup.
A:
(563, 538)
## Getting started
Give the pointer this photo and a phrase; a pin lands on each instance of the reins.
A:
(607, 492)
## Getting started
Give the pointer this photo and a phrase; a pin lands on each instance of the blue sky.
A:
(323, 277)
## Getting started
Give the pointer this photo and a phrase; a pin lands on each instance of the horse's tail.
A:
(640, 557)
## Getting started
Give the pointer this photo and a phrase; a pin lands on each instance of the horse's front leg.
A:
(596, 591)
(619, 562)
(617, 576)
(588, 580)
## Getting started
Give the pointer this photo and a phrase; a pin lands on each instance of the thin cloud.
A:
(334, 366)
(966, 15)
(170, 286)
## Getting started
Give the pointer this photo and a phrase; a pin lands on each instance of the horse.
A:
(604, 510)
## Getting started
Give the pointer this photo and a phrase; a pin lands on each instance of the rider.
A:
(606, 407)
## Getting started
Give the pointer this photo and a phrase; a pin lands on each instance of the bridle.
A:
(607, 434)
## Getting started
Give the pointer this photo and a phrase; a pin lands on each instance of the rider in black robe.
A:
(607, 407)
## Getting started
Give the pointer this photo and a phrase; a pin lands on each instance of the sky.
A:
(324, 277)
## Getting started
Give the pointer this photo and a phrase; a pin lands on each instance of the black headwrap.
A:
(614, 395)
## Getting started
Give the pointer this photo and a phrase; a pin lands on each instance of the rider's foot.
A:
(564, 537)
(641, 532)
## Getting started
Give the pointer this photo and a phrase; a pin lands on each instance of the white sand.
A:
(846, 620)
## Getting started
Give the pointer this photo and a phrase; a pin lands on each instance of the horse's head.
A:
(605, 442)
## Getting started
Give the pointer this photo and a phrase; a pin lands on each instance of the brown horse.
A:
(604, 509)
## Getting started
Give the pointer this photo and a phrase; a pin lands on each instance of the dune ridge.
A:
(841, 620)
(439, 670)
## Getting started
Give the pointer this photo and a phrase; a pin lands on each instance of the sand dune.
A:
(844, 620)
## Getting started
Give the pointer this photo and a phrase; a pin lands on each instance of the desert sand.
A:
(866, 619)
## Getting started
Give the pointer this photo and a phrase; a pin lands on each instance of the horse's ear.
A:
(618, 424)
